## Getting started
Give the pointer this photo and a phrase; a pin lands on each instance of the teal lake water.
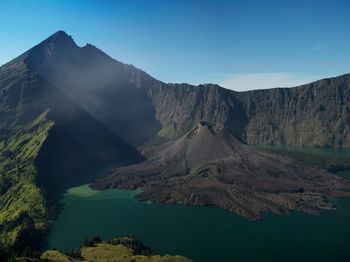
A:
(203, 233)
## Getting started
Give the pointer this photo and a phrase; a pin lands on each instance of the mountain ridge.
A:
(66, 110)
(170, 110)
(47, 143)
(98, 83)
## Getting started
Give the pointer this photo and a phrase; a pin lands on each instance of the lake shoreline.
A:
(202, 233)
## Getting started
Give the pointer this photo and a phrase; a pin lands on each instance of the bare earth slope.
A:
(211, 166)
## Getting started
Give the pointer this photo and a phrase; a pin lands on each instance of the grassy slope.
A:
(46, 142)
(107, 252)
(22, 202)
(123, 249)
(104, 252)
(21, 198)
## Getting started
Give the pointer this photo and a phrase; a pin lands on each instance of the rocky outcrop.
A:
(66, 110)
(120, 248)
(316, 114)
(180, 106)
(143, 110)
(211, 166)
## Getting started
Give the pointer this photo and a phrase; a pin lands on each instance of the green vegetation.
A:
(118, 249)
(104, 252)
(47, 144)
(24, 128)
(22, 201)
(55, 255)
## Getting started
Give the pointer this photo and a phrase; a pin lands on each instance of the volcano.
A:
(211, 166)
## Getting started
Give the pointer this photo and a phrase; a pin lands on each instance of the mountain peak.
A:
(61, 32)
(214, 127)
(57, 45)
(59, 39)
(60, 35)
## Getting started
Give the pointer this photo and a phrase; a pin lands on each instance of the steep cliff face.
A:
(112, 92)
(316, 114)
(180, 106)
(143, 110)
(63, 107)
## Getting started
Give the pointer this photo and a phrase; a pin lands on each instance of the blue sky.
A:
(238, 44)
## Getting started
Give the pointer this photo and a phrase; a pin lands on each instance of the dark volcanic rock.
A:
(113, 92)
(315, 114)
(211, 166)
(66, 110)
(142, 109)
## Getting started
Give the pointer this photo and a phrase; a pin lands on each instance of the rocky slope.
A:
(113, 92)
(66, 110)
(211, 166)
(47, 143)
(180, 106)
(142, 109)
(316, 114)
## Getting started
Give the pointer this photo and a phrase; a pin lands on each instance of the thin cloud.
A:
(318, 48)
(244, 82)
(332, 63)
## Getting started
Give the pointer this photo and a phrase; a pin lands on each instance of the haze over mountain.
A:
(128, 100)
(48, 143)
(66, 111)
(114, 93)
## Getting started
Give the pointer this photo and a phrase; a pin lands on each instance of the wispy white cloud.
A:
(318, 48)
(244, 82)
